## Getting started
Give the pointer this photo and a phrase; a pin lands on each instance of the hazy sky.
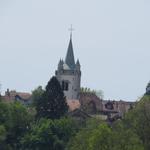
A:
(111, 39)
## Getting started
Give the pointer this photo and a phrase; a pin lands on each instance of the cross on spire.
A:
(71, 29)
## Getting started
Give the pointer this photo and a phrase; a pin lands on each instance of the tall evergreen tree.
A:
(53, 102)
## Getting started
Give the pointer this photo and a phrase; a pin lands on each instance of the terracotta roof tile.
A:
(73, 104)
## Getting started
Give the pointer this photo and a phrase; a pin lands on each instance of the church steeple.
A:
(69, 73)
(70, 61)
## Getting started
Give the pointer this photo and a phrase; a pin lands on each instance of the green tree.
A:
(80, 141)
(138, 119)
(49, 134)
(3, 134)
(14, 122)
(125, 138)
(37, 94)
(19, 124)
(5, 114)
(89, 138)
(104, 137)
(53, 102)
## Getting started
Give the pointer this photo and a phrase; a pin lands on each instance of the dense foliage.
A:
(130, 133)
(49, 134)
(37, 95)
(138, 119)
(103, 137)
(52, 104)
(20, 131)
(53, 130)
(14, 123)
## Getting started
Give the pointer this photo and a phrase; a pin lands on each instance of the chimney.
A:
(7, 93)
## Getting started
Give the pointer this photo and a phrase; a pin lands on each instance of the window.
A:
(65, 85)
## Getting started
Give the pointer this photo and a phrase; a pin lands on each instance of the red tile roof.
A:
(73, 104)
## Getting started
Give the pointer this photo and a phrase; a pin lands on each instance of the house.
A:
(12, 96)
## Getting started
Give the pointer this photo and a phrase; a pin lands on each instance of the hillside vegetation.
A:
(46, 126)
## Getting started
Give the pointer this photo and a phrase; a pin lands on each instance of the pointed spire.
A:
(71, 29)
(78, 63)
(60, 64)
(70, 55)
(59, 61)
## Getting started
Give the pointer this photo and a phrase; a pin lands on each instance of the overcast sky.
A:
(111, 39)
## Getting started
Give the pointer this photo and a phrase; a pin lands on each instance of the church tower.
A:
(68, 74)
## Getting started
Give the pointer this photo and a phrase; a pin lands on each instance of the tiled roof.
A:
(73, 104)
(11, 95)
(25, 96)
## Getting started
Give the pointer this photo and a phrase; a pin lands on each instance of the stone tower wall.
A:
(74, 80)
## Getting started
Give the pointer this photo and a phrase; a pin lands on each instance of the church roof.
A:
(70, 61)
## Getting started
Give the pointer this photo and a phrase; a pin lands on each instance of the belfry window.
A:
(65, 85)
